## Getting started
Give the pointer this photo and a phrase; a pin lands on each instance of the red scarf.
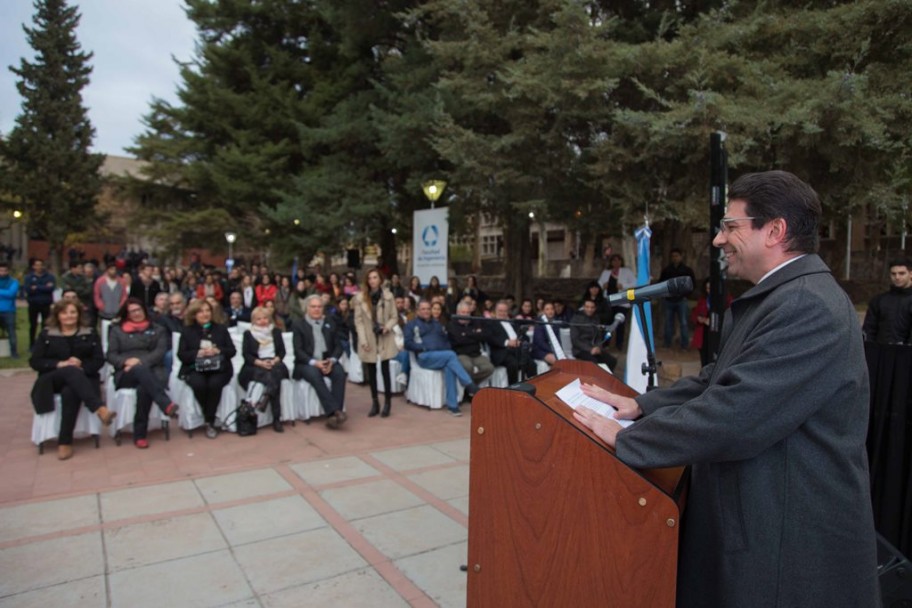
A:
(130, 327)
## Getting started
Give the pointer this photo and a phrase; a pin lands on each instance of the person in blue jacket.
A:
(39, 287)
(9, 290)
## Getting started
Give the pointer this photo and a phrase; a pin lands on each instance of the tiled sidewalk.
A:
(374, 515)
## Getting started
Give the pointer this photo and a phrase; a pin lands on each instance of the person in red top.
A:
(266, 290)
(699, 316)
(209, 287)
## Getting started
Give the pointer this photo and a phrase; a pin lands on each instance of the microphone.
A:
(678, 286)
(609, 331)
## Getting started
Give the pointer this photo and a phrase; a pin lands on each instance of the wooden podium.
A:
(555, 519)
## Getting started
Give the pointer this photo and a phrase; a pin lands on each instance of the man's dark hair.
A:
(780, 194)
(900, 262)
(74, 264)
(4, 264)
(674, 250)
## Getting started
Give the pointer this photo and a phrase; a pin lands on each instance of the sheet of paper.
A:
(573, 395)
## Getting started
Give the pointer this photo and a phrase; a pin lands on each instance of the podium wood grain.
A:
(555, 519)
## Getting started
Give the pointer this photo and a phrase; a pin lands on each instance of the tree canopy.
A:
(49, 173)
(584, 112)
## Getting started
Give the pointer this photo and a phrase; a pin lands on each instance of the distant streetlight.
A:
(231, 237)
(433, 189)
(297, 222)
(531, 215)
(393, 231)
(17, 214)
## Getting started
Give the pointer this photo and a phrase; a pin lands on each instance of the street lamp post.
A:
(433, 189)
(231, 237)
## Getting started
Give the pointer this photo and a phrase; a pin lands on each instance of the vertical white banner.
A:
(430, 241)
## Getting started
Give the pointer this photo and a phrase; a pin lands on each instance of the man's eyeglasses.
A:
(134, 310)
(728, 223)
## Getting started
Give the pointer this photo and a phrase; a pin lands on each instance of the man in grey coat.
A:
(779, 509)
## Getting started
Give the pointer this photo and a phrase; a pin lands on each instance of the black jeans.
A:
(34, 311)
(75, 388)
(207, 388)
(148, 389)
(370, 371)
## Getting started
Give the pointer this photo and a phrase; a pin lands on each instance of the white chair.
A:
(395, 370)
(354, 369)
(541, 367)
(428, 386)
(191, 415)
(46, 427)
(499, 379)
(123, 401)
(233, 393)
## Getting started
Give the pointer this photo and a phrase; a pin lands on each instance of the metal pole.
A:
(718, 181)
(848, 263)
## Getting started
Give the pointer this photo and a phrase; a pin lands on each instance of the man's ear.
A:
(777, 231)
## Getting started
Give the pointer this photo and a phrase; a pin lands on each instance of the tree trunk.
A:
(517, 251)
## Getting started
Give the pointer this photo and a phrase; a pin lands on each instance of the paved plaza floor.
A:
(374, 515)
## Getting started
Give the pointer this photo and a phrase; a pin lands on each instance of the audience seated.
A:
(467, 336)
(205, 352)
(136, 351)
(68, 358)
(263, 370)
(427, 339)
(317, 351)
(587, 337)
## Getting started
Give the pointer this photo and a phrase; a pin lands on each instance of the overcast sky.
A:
(133, 41)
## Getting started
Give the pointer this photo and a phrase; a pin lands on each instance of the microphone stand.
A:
(649, 368)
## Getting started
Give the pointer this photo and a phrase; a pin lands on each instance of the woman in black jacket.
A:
(136, 350)
(205, 352)
(263, 369)
(68, 356)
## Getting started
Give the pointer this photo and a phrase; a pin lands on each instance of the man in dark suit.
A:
(506, 345)
(317, 351)
(236, 310)
(779, 506)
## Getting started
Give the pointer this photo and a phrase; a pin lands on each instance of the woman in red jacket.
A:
(266, 290)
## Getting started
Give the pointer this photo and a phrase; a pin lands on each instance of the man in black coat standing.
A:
(317, 351)
(889, 316)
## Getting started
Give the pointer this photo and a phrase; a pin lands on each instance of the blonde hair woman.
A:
(263, 370)
(375, 318)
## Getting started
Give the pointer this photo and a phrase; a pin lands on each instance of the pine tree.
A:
(50, 168)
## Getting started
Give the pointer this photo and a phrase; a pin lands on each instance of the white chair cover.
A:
(565, 341)
(123, 401)
(427, 386)
(47, 426)
(395, 370)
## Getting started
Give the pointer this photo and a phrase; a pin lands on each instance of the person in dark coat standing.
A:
(39, 285)
(68, 359)
(263, 370)
(676, 306)
(317, 351)
(779, 507)
(889, 316)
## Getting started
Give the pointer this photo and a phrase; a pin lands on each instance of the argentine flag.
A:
(636, 343)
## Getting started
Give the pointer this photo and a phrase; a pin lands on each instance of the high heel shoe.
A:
(375, 409)
(105, 415)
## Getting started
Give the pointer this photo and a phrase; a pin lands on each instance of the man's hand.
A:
(627, 408)
(131, 363)
(550, 359)
(605, 428)
(512, 343)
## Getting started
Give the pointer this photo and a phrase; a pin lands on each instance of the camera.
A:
(378, 329)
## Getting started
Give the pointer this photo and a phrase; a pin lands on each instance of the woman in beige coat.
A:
(375, 318)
